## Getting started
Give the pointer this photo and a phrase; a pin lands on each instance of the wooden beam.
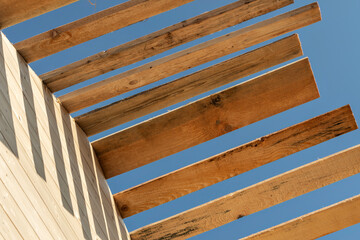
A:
(316, 224)
(184, 88)
(207, 118)
(235, 161)
(180, 61)
(255, 198)
(17, 11)
(93, 26)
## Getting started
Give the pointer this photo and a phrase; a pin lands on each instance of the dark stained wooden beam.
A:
(16, 11)
(93, 26)
(235, 161)
(255, 198)
(207, 118)
(184, 88)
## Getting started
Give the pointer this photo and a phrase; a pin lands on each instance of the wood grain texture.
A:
(74, 201)
(16, 11)
(93, 26)
(184, 88)
(18, 173)
(235, 161)
(95, 93)
(207, 118)
(8, 229)
(255, 198)
(180, 61)
(316, 224)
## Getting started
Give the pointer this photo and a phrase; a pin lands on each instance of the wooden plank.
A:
(16, 11)
(255, 198)
(235, 161)
(46, 196)
(1, 236)
(14, 211)
(85, 97)
(184, 88)
(75, 149)
(64, 145)
(207, 118)
(78, 144)
(180, 61)
(40, 192)
(316, 224)
(93, 26)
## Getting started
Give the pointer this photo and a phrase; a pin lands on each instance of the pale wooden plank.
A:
(26, 226)
(184, 88)
(207, 118)
(25, 157)
(7, 228)
(67, 178)
(16, 11)
(93, 26)
(45, 191)
(16, 194)
(93, 179)
(90, 175)
(316, 224)
(80, 139)
(84, 209)
(28, 157)
(235, 161)
(255, 198)
(180, 61)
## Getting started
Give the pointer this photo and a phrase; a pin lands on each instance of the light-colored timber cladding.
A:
(316, 224)
(104, 62)
(207, 118)
(68, 191)
(192, 124)
(235, 161)
(255, 198)
(17, 11)
(93, 26)
(184, 88)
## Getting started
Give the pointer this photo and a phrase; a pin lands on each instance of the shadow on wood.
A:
(5, 108)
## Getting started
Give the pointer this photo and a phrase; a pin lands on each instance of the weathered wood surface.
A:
(316, 224)
(255, 198)
(47, 163)
(188, 58)
(16, 11)
(207, 118)
(184, 88)
(91, 95)
(235, 161)
(93, 26)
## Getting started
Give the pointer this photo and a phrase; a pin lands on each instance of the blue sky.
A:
(333, 48)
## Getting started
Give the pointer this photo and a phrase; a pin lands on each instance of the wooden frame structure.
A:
(192, 124)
